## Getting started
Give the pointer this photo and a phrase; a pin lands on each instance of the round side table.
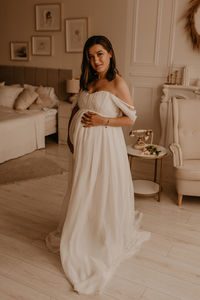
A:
(148, 187)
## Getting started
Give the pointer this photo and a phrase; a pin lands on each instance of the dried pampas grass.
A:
(190, 23)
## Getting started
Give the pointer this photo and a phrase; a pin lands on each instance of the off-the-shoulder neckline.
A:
(104, 91)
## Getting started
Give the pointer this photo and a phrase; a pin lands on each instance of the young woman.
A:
(101, 227)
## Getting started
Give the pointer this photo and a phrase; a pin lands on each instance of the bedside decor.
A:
(142, 136)
(151, 150)
(72, 88)
(76, 31)
(192, 23)
(19, 51)
(42, 45)
(48, 17)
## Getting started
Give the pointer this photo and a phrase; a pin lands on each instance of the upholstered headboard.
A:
(37, 76)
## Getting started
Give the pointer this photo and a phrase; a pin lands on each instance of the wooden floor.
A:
(166, 268)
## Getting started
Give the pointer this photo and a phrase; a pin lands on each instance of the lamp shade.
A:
(72, 86)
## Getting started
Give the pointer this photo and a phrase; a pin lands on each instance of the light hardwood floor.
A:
(166, 268)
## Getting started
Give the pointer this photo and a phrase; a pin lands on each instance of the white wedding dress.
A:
(101, 227)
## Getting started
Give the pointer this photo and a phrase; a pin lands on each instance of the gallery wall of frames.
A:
(51, 33)
(48, 19)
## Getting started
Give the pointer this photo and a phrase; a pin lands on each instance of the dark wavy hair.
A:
(88, 74)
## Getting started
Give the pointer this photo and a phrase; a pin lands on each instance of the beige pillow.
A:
(2, 83)
(48, 91)
(25, 99)
(35, 106)
(8, 95)
(43, 98)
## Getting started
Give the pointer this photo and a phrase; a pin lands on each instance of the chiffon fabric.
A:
(100, 227)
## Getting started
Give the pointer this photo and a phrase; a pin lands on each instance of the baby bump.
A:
(77, 128)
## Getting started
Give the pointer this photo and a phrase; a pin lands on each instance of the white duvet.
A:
(20, 132)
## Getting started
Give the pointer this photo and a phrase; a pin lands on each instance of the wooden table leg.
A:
(160, 180)
(155, 170)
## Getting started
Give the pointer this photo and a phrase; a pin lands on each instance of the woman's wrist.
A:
(107, 122)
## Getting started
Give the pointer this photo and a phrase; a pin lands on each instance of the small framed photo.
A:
(76, 34)
(41, 45)
(19, 51)
(48, 17)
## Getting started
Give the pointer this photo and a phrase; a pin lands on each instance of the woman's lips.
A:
(98, 66)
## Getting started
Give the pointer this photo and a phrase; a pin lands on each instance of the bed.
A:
(24, 124)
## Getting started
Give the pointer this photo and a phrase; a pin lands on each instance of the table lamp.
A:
(72, 88)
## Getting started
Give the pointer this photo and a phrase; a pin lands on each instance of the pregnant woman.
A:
(101, 226)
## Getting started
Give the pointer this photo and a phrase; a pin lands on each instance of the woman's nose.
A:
(96, 59)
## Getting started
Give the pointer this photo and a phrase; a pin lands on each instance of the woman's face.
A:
(99, 59)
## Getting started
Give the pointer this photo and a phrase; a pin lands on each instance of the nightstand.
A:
(148, 187)
(64, 113)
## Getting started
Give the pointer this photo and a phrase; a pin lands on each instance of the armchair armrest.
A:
(177, 154)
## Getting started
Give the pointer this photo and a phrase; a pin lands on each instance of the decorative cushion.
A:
(48, 91)
(25, 99)
(8, 95)
(30, 86)
(35, 106)
(2, 83)
(44, 99)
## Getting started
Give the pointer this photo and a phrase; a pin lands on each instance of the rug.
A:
(33, 167)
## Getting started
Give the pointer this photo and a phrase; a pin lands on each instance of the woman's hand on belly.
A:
(90, 119)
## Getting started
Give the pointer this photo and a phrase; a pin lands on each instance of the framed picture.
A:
(48, 17)
(76, 31)
(19, 51)
(41, 45)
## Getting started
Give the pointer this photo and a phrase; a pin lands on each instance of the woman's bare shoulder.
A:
(122, 90)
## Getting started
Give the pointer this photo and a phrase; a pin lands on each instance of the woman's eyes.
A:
(98, 54)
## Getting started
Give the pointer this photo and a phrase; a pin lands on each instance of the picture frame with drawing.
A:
(48, 17)
(41, 45)
(19, 51)
(76, 34)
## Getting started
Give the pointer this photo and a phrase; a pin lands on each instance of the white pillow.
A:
(2, 83)
(35, 106)
(49, 91)
(25, 99)
(54, 97)
(29, 86)
(8, 94)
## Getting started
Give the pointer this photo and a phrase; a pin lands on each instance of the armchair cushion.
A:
(190, 170)
(187, 121)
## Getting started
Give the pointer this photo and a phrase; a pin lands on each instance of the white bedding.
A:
(50, 120)
(20, 132)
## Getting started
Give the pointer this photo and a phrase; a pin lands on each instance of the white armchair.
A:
(186, 146)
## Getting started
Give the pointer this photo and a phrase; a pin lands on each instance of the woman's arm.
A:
(90, 119)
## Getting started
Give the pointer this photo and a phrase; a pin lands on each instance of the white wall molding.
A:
(158, 32)
(172, 33)
(134, 33)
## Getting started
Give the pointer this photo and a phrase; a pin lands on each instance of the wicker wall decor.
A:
(194, 5)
